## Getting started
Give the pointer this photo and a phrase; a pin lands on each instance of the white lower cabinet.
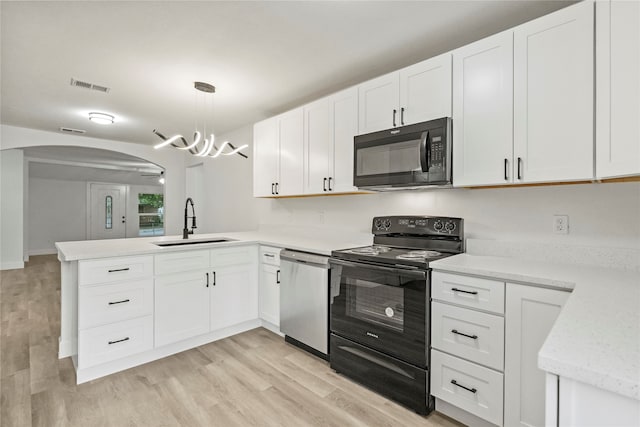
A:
(269, 289)
(483, 363)
(469, 386)
(181, 306)
(530, 315)
(132, 310)
(233, 295)
(114, 341)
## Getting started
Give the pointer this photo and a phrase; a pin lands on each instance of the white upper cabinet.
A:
(554, 96)
(291, 152)
(523, 103)
(329, 127)
(425, 90)
(266, 156)
(414, 94)
(343, 122)
(483, 112)
(379, 103)
(618, 88)
(317, 143)
(277, 152)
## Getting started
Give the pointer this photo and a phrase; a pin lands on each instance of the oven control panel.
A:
(418, 225)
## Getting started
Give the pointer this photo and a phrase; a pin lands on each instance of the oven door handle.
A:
(401, 271)
(425, 152)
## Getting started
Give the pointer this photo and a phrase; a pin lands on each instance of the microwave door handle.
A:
(425, 152)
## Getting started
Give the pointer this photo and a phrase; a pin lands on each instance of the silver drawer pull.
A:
(117, 341)
(455, 383)
(453, 331)
(119, 302)
(464, 292)
(119, 269)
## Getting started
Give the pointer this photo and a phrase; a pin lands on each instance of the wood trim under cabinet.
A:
(546, 184)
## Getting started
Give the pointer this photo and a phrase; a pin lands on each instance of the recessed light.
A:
(101, 118)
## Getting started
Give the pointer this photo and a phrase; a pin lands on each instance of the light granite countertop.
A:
(308, 240)
(596, 338)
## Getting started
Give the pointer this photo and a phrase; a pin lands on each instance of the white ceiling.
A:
(264, 57)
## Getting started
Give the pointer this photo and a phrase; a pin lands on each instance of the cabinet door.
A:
(618, 88)
(529, 315)
(266, 155)
(379, 104)
(343, 121)
(234, 295)
(553, 96)
(425, 90)
(269, 295)
(483, 112)
(181, 306)
(291, 150)
(317, 140)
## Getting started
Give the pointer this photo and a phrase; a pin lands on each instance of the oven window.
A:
(388, 158)
(374, 303)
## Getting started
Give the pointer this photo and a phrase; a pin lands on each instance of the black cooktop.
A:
(411, 241)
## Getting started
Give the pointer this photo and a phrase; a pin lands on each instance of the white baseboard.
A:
(461, 415)
(12, 265)
(271, 327)
(35, 252)
(90, 373)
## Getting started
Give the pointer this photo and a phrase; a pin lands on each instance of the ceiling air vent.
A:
(71, 130)
(91, 86)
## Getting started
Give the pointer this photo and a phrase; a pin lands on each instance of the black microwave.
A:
(405, 157)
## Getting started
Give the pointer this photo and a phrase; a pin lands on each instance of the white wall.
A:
(228, 184)
(11, 209)
(57, 213)
(599, 214)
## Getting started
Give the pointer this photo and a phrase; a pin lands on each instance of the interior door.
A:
(107, 216)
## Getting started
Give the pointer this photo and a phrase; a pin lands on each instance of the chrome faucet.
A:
(186, 231)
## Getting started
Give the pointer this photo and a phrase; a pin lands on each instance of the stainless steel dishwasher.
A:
(304, 300)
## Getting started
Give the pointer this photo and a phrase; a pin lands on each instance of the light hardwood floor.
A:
(251, 379)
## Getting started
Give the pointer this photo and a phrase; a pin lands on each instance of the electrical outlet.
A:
(561, 224)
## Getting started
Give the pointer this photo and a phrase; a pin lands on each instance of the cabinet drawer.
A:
(471, 387)
(270, 255)
(114, 341)
(236, 255)
(474, 292)
(472, 335)
(114, 270)
(99, 305)
(177, 262)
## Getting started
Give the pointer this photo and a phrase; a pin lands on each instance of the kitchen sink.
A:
(193, 242)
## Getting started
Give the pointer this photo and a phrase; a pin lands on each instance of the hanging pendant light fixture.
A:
(201, 147)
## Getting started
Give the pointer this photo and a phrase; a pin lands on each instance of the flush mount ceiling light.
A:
(201, 147)
(101, 118)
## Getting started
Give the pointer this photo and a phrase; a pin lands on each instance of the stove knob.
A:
(378, 223)
(438, 226)
(387, 223)
(450, 226)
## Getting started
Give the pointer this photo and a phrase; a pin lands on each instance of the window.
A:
(150, 214)
(108, 212)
